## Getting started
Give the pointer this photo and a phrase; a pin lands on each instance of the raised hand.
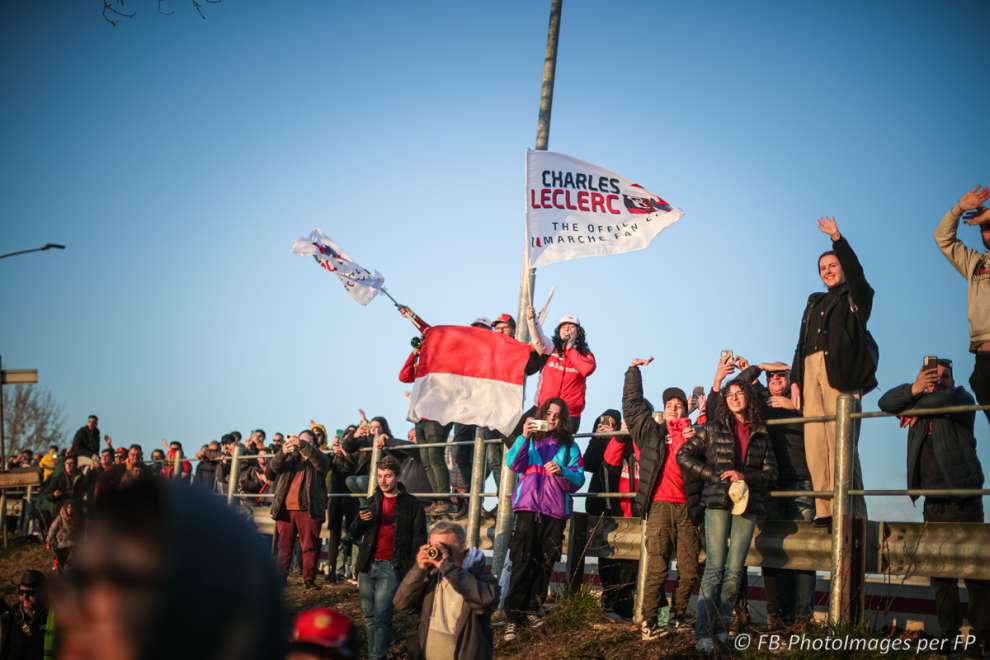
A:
(980, 216)
(974, 198)
(641, 362)
(721, 372)
(924, 382)
(827, 225)
(530, 313)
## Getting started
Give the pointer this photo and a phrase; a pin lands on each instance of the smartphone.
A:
(658, 417)
(727, 356)
(931, 362)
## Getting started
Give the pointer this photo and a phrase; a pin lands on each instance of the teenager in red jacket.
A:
(569, 362)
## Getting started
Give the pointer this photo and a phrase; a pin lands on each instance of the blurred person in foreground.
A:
(453, 594)
(147, 562)
(941, 453)
(323, 634)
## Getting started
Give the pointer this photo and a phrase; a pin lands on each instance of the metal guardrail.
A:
(903, 547)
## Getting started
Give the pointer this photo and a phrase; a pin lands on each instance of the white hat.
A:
(569, 318)
(739, 494)
(481, 320)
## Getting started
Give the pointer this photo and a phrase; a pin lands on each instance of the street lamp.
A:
(46, 246)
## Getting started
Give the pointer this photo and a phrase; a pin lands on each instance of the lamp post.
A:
(46, 246)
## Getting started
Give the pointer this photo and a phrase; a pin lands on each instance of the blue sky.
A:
(178, 158)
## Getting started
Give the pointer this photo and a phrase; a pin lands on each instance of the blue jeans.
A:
(377, 587)
(790, 594)
(727, 539)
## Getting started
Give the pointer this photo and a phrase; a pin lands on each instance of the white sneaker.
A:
(534, 621)
(510, 633)
(705, 645)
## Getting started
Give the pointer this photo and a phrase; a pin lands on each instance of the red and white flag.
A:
(471, 376)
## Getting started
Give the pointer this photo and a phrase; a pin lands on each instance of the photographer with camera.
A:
(300, 502)
(941, 453)
(548, 463)
(391, 525)
(454, 596)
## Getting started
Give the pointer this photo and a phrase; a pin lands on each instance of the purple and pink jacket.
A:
(537, 490)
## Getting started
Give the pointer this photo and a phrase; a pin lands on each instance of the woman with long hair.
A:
(568, 364)
(733, 456)
(548, 463)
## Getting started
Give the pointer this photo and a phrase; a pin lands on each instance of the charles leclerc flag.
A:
(469, 375)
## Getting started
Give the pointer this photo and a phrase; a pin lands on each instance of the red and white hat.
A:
(326, 629)
(569, 318)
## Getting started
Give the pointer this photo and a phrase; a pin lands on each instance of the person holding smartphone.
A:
(300, 502)
(941, 453)
(548, 463)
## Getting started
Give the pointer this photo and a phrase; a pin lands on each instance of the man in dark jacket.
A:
(662, 497)
(941, 453)
(835, 355)
(86, 441)
(300, 502)
(22, 628)
(391, 528)
(453, 595)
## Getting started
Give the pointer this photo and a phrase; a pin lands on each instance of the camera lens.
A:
(433, 552)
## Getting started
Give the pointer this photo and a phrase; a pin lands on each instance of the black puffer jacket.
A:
(712, 451)
(651, 440)
(410, 532)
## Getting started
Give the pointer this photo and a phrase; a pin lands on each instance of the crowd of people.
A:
(701, 483)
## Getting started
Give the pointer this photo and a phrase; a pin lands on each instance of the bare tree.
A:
(32, 418)
(116, 10)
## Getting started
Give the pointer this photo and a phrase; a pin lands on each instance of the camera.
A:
(434, 553)
(542, 425)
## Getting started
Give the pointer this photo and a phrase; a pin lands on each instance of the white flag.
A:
(575, 209)
(362, 284)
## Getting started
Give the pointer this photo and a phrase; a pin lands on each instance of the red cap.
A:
(120, 450)
(323, 627)
(505, 318)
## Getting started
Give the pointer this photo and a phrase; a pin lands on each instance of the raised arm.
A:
(859, 289)
(635, 410)
(960, 256)
(540, 341)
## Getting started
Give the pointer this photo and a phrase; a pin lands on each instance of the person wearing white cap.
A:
(733, 455)
(568, 364)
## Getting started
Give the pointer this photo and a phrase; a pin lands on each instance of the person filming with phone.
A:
(548, 463)
(453, 594)
(941, 453)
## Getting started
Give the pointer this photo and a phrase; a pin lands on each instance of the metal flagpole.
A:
(503, 521)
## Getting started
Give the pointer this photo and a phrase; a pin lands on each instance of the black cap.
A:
(32, 579)
(675, 393)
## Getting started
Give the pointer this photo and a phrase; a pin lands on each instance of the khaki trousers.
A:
(819, 399)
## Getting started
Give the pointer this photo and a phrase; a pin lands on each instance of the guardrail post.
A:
(26, 518)
(577, 547)
(503, 520)
(3, 514)
(234, 469)
(840, 595)
(644, 566)
(477, 488)
(177, 468)
(376, 454)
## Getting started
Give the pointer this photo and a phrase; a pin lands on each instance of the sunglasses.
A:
(777, 374)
